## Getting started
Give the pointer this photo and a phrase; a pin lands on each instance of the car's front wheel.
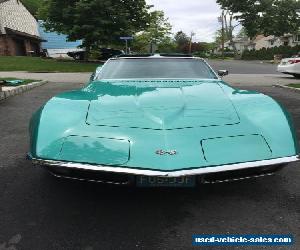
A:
(297, 75)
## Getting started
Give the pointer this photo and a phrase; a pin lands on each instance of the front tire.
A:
(296, 76)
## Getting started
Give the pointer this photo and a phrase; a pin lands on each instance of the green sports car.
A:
(158, 120)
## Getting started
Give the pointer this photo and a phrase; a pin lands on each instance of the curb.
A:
(287, 87)
(20, 89)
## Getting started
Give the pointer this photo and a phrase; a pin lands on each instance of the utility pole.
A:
(151, 47)
(191, 42)
(223, 35)
(126, 46)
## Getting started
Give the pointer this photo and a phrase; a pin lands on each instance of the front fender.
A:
(56, 120)
(270, 118)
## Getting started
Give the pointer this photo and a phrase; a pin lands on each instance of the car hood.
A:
(163, 104)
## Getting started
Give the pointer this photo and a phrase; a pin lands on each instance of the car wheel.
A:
(297, 75)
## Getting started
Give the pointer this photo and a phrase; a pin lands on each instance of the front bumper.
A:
(58, 168)
(287, 69)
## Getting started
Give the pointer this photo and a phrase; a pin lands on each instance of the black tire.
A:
(296, 76)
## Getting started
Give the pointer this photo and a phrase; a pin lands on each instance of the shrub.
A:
(269, 53)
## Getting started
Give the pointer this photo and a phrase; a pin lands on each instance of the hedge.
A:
(268, 54)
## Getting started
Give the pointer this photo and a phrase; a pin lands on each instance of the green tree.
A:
(157, 32)
(218, 37)
(229, 26)
(32, 5)
(182, 41)
(167, 45)
(96, 22)
(242, 32)
(270, 17)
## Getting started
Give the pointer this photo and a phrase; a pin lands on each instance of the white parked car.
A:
(290, 66)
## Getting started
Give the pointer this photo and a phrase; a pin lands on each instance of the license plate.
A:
(150, 181)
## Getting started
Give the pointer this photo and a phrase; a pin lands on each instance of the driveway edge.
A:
(287, 87)
(20, 89)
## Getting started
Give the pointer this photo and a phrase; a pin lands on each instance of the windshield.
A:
(151, 68)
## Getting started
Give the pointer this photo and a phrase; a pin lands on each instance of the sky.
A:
(199, 16)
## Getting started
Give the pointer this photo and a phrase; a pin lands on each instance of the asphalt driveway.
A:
(40, 212)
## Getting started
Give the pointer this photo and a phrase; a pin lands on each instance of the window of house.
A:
(297, 38)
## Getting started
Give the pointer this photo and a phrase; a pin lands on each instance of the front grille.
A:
(236, 175)
(129, 179)
(94, 176)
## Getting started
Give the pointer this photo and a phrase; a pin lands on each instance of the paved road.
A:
(242, 73)
(252, 73)
(244, 67)
(260, 80)
(38, 212)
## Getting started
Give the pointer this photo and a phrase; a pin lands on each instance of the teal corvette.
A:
(161, 121)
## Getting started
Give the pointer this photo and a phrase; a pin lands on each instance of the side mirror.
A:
(92, 77)
(95, 74)
(223, 72)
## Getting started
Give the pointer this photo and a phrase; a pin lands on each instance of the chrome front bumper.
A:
(177, 173)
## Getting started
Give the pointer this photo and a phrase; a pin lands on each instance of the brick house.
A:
(19, 34)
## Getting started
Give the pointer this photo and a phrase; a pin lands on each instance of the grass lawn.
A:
(295, 85)
(36, 64)
(26, 81)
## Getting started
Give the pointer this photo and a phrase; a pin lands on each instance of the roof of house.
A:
(241, 39)
(15, 16)
(2, 1)
(23, 34)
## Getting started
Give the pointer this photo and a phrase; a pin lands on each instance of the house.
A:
(291, 40)
(19, 34)
(241, 44)
(57, 45)
(262, 41)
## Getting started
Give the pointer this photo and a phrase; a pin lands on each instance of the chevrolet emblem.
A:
(165, 152)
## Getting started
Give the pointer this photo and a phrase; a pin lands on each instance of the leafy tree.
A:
(167, 45)
(227, 19)
(159, 27)
(182, 40)
(242, 32)
(229, 27)
(32, 5)
(198, 48)
(270, 17)
(96, 22)
(157, 32)
(218, 37)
